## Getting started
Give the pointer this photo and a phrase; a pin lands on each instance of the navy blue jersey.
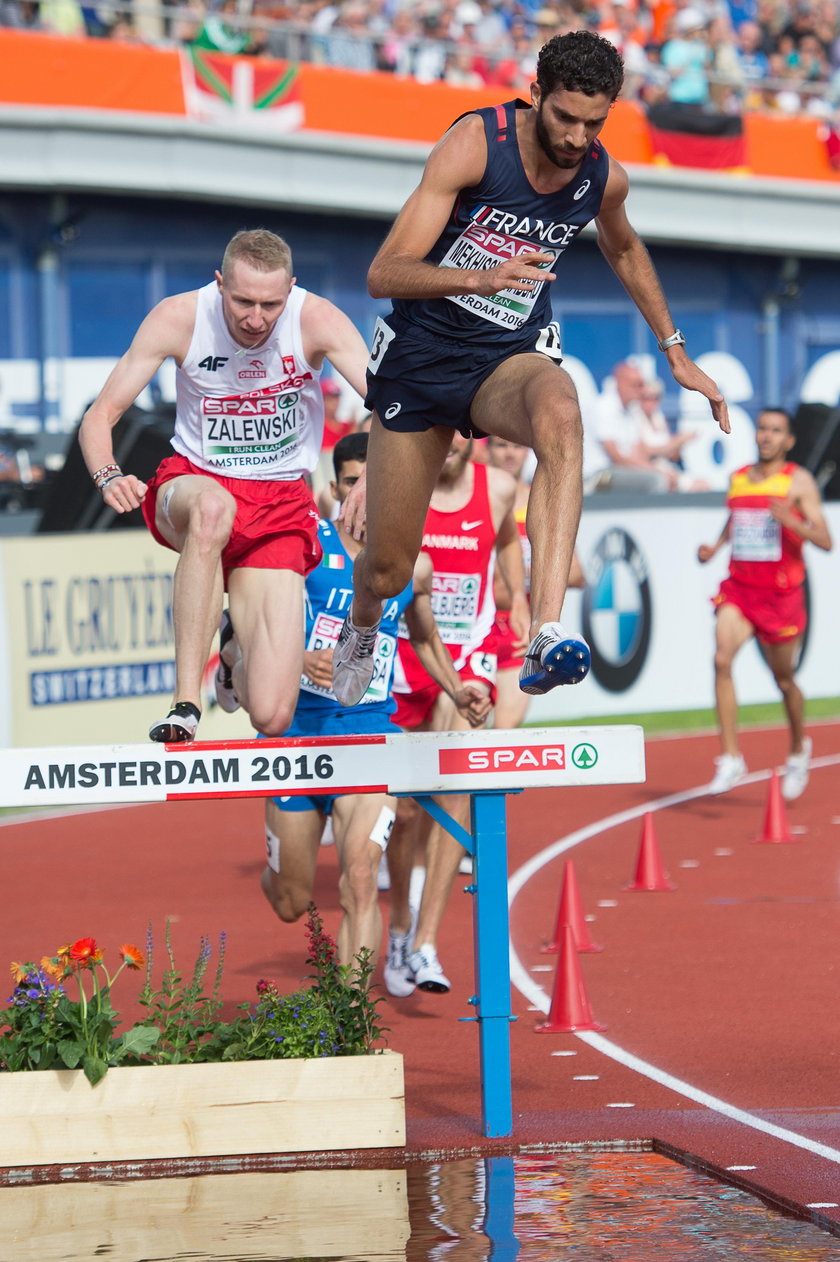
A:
(501, 217)
(329, 591)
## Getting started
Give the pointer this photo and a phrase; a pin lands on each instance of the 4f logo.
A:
(213, 362)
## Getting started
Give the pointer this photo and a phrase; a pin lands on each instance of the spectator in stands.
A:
(222, 30)
(725, 74)
(615, 457)
(21, 14)
(753, 62)
(460, 70)
(662, 446)
(62, 17)
(348, 44)
(186, 21)
(686, 56)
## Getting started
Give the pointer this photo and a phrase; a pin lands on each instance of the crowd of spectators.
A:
(718, 56)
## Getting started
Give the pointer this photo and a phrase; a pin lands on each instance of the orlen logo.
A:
(256, 368)
(455, 762)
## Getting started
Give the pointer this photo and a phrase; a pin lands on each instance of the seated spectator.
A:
(348, 44)
(725, 75)
(460, 68)
(222, 30)
(662, 446)
(753, 62)
(62, 17)
(687, 56)
(614, 455)
(22, 14)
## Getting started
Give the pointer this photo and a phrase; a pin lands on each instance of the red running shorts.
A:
(276, 523)
(776, 616)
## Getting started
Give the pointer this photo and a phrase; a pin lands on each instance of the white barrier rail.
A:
(428, 762)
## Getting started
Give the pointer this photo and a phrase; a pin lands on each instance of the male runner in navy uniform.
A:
(470, 343)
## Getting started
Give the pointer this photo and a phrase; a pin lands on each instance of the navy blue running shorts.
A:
(417, 379)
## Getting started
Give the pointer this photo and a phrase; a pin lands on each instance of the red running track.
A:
(721, 998)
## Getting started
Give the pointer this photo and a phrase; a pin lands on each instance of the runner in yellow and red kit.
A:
(774, 507)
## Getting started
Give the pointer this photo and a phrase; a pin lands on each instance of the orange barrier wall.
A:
(40, 69)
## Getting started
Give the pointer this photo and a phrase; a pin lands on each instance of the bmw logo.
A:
(617, 610)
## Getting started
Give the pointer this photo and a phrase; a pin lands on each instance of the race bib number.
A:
(324, 635)
(257, 431)
(383, 336)
(480, 247)
(455, 605)
(756, 535)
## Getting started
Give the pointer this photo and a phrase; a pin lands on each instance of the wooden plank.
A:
(203, 1110)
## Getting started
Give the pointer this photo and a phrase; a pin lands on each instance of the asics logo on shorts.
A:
(392, 411)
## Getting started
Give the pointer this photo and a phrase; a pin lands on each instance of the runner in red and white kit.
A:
(249, 348)
(468, 528)
(774, 507)
(511, 702)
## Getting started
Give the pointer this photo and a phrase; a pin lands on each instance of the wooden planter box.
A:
(268, 1106)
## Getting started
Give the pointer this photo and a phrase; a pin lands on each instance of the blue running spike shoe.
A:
(554, 657)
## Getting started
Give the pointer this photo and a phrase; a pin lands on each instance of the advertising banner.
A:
(87, 625)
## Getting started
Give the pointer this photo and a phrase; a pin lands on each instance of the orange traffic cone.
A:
(570, 1008)
(775, 817)
(570, 912)
(650, 874)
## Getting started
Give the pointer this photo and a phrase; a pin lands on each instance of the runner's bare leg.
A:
(731, 632)
(402, 470)
(530, 400)
(197, 524)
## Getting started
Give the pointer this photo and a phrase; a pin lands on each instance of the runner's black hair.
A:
(580, 61)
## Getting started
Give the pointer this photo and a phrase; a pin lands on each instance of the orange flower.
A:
(52, 966)
(18, 972)
(63, 952)
(131, 955)
(85, 953)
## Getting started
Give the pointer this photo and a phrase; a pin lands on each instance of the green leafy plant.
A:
(183, 1015)
(45, 1027)
(334, 1016)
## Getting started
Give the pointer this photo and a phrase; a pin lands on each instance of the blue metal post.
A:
(488, 844)
(492, 960)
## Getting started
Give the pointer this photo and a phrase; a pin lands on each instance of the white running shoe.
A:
(226, 697)
(428, 974)
(399, 979)
(554, 657)
(728, 771)
(353, 662)
(797, 770)
(179, 726)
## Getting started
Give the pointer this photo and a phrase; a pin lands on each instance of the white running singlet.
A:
(247, 413)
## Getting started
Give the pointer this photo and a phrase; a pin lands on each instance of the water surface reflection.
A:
(563, 1207)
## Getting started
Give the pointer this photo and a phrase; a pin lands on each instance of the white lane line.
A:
(541, 1001)
(702, 1097)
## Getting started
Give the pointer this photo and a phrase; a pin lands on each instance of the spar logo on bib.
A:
(617, 613)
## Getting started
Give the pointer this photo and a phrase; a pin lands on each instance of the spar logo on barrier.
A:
(617, 614)
(458, 762)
